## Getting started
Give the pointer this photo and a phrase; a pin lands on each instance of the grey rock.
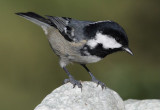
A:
(90, 98)
(152, 104)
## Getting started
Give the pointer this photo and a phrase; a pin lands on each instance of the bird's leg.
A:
(71, 79)
(93, 78)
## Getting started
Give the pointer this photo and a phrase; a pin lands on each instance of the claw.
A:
(99, 83)
(103, 86)
(74, 82)
(74, 85)
(66, 81)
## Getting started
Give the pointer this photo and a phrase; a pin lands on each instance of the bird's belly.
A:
(59, 45)
(64, 48)
(69, 50)
(84, 59)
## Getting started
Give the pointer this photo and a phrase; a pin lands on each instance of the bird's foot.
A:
(73, 81)
(103, 85)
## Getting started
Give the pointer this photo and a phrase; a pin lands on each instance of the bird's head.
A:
(107, 37)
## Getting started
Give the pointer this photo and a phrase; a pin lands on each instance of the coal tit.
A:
(81, 42)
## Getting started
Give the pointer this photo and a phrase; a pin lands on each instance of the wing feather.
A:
(62, 24)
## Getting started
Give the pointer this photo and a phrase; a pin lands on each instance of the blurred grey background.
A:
(29, 70)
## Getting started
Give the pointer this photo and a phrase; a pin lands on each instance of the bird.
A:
(81, 42)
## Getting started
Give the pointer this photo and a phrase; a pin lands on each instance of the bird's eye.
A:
(117, 39)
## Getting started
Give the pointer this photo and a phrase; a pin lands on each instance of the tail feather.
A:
(35, 18)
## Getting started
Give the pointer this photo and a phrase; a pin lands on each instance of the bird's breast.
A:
(69, 50)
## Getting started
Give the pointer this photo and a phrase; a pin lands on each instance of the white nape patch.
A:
(105, 40)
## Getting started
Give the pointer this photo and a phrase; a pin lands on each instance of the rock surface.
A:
(90, 98)
(151, 104)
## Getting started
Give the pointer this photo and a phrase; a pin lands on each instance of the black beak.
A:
(128, 50)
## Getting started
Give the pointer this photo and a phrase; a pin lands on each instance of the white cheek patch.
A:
(106, 41)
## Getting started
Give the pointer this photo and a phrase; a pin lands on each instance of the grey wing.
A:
(71, 29)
